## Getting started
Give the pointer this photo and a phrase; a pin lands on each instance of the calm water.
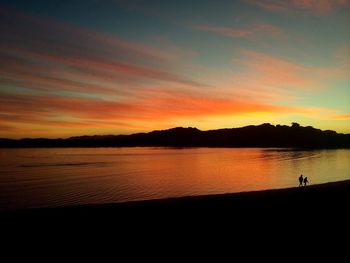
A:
(69, 176)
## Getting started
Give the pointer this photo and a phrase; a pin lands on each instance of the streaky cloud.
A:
(33, 47)
(319, 7)
(252, 31)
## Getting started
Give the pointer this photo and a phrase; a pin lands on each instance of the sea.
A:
(56, 177)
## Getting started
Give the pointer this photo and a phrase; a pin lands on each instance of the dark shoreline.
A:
(314, 200)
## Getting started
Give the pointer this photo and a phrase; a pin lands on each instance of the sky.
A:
(70, 68)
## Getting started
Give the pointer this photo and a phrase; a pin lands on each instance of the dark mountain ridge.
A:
(264, 135)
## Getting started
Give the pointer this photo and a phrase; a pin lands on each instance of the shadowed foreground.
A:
(312, 202)
(264, 221)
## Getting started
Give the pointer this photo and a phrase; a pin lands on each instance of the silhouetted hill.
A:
(265, 135)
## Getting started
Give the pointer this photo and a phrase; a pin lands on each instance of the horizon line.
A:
(166, 129)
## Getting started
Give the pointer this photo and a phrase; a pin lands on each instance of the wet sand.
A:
(252, 223)
(312, 202)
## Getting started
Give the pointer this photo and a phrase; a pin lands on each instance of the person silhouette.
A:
(305, 181)
(301, 180)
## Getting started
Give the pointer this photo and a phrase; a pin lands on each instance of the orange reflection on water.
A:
(69, 176)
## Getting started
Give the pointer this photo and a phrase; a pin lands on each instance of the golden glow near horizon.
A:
(127, 70)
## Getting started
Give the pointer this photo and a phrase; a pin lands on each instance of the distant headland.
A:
(264, 135)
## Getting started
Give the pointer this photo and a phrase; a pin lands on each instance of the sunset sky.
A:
(121, 66)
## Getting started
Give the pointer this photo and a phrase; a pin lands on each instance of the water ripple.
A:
(60, 164)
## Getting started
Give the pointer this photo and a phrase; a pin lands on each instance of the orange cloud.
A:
(321, 7)
(341, 117)
(156, 105)
(80, 74)
(174, 104)
(273, 70)
(5, 128)
(266, 70)
(60, 78)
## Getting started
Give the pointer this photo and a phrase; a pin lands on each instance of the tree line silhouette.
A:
(264, 135)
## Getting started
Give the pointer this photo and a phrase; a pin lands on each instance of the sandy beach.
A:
(314, 201)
